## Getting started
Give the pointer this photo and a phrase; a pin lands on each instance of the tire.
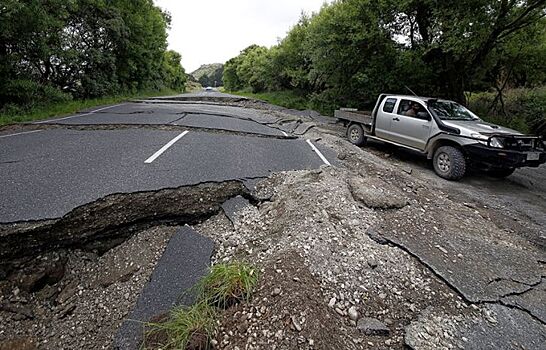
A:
(500, 172)
(449, 162)
(355, 134)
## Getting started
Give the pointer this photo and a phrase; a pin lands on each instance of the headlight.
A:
(495, 141)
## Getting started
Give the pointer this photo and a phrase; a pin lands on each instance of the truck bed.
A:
(352, 115)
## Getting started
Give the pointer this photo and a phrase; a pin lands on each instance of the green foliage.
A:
(352, 50)
(230, 77)
(184, 325)
(224, 285)
(285, 98)
(209, 74)
(58, 49)
(228, 284)
(174, 75)
(246, 70)
(20, 92)
(524, 109)
(14, 113)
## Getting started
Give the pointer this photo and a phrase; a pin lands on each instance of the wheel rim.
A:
(355, 135)
(444, 163)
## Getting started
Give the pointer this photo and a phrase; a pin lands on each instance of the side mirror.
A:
(423, 115)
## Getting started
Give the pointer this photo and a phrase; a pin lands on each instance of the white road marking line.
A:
(164, 148)
(78, 115)
(319, 153)
(20, 133)
(285, 134)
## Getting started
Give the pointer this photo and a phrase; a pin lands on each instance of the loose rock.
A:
(372, 326)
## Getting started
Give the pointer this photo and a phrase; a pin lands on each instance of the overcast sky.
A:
(211, 31)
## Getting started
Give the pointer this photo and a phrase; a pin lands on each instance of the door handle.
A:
(426, 126)
(396, 119)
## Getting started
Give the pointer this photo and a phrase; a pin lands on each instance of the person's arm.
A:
(410, 113)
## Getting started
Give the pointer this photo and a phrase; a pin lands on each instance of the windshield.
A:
(448, 110)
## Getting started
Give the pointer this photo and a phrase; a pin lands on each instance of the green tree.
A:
(174, 75)
(352, 58)
(291, 60)
(456, 38)
(54, 49)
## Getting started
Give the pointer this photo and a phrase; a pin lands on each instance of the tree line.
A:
(54, 50)
(352, 50)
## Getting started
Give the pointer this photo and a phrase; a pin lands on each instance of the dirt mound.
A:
(287, 311)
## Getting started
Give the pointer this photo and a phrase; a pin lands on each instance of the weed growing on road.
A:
(186, 327)
(228, 284)
(193, 327)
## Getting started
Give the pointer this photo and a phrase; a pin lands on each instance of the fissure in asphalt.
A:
(109, 221)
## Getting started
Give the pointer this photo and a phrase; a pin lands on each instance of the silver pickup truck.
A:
(446, 132)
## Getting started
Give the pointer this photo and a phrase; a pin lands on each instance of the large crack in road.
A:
(110, 220)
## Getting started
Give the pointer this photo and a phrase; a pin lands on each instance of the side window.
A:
(388, 107)
(412, 109)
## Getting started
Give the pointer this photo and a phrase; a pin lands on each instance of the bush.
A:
(27, 94)
(285, 98)
(525, 109)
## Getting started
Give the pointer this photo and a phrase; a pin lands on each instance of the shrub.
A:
(525, 109)
(26, 94)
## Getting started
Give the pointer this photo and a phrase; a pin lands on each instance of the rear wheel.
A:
(355, 133)
(500, 172)
(449, 162)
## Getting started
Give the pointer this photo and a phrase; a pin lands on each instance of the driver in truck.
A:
(412, 112)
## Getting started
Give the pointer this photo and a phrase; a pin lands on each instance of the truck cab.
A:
(405, 121)
(446, 132)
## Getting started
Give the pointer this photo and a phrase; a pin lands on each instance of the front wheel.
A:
(355, 133)
(500, 172)
(449, 162)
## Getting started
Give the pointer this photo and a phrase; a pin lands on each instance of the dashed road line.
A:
(319, 153)
(78, 115)
(20, 133)
(164, 148)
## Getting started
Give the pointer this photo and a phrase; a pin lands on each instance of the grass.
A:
(193, 327)
(185, 325)
(228, 284)
(65, 108)
(287, 98)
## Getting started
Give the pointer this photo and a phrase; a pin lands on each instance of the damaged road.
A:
(365, 254)
(79, 191)
(47, 174)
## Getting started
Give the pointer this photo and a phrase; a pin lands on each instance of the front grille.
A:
(520, 143)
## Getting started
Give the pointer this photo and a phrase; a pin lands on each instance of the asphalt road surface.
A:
(47, 173)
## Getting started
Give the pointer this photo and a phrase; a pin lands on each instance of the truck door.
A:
(411, 125)
(384, 117)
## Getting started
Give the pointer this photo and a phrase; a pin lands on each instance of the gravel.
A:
(85, 308)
